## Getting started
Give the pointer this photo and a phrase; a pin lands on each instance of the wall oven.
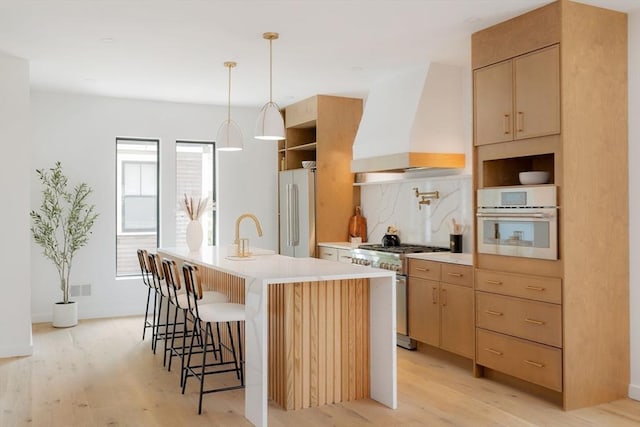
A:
(518, 221)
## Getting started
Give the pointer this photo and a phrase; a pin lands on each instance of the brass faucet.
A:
(240, 218)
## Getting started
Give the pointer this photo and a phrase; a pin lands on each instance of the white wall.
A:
(80, 131)
(634, 200)
(15, 253)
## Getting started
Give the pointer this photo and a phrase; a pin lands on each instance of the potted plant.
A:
(62, 225)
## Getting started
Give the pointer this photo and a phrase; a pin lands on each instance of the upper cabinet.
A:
(518, 98)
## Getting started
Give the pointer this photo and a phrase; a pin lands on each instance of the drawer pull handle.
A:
(507, 124)
(444, 297)
(532, 363)
(494, 282)
(455, 274)
(434, 295)
(422, 269)
(535, 288)
(534, 321)
(328, 253)
(493, 313)
(496, 352)
(345, 256)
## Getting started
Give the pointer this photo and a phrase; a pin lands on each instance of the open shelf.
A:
(304, 147)
(504, 172)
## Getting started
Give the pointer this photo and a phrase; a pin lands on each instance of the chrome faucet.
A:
(240, 218)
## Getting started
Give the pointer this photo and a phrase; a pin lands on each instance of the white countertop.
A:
(340, 245)
(464, 259)
(274, 268)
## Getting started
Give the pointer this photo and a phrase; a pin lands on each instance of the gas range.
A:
(390, 257)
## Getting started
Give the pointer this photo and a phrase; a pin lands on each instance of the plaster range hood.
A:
(413, 120)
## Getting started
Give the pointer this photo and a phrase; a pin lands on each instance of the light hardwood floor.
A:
(100, 373)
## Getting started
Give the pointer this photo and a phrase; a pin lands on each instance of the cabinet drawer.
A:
(532, 320)
(344, 255)
(328, 253)
(531, 362)
(424, 269)
(548, 289)
(457, 274)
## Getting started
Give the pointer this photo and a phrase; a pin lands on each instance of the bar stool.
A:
(207, 315)
(162, 293)
(147, 281)
(179, 300)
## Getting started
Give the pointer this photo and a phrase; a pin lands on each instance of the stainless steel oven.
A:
(518, 221)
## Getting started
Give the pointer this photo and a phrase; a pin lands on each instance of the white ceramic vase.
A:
(194, 235)
(65, 315)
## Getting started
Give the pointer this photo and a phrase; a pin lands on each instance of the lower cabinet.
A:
(333, 253)
(441, 313)
(519, 326)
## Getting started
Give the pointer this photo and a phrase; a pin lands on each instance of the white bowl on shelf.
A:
(308, 164)
(534, 177)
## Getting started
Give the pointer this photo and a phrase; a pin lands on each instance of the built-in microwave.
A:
(518, 221)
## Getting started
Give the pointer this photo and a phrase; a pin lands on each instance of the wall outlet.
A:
(80, 290)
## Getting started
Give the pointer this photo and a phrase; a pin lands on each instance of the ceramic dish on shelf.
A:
(534, 177)
(309, 164)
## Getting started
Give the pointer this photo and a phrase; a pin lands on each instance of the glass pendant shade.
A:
(270, 125)
(229, 136)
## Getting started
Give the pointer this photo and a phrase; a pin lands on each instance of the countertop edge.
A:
(462, 259)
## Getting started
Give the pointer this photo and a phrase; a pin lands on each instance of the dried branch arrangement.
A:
(195, 209)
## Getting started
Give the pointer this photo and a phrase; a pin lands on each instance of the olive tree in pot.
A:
(62, 225)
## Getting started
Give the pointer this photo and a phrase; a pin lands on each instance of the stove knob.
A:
(384, 265)
(367, 262)
(396, 268)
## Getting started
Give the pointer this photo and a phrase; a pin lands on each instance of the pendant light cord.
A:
(270, 71)
(229, 98)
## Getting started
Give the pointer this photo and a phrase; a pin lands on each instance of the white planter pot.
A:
(65, 315)
(194, 235)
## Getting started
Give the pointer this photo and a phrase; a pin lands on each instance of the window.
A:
(136, 202)
(195, 177)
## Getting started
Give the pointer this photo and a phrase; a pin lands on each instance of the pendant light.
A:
(270, 125)
(229, 136)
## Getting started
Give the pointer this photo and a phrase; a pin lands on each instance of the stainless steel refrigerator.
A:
(297, 212)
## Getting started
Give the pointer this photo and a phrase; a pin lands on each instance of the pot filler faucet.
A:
(245, 242)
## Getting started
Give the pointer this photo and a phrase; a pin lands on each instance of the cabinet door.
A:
(493, 103)
(537, 102)
(424, 310)
(456, 304)
(328, 253)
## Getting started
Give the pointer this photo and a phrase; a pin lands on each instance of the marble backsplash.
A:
(395, 203)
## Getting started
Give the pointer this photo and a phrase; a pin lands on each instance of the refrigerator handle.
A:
(289, 219)
(296, 218)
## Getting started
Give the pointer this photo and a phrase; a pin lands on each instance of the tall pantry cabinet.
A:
(322, 128)
(550, 93)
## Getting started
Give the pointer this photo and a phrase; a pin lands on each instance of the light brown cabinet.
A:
(518, 98)
(560, 324)
(322, 128)
(440, 312)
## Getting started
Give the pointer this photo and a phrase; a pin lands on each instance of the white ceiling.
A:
(174, 50)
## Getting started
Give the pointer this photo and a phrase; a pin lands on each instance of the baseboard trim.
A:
(98, 314)
(634, 392)
(16, 351)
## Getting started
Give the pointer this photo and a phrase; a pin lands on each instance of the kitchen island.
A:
(317, 332)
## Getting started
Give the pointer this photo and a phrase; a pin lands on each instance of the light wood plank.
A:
(51, 388)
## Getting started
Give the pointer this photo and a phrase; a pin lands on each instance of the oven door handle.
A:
(534, 215)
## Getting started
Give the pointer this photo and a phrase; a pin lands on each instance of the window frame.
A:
(214, 191)
(119, 228)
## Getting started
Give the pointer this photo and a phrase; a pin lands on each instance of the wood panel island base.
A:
(317, 332)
